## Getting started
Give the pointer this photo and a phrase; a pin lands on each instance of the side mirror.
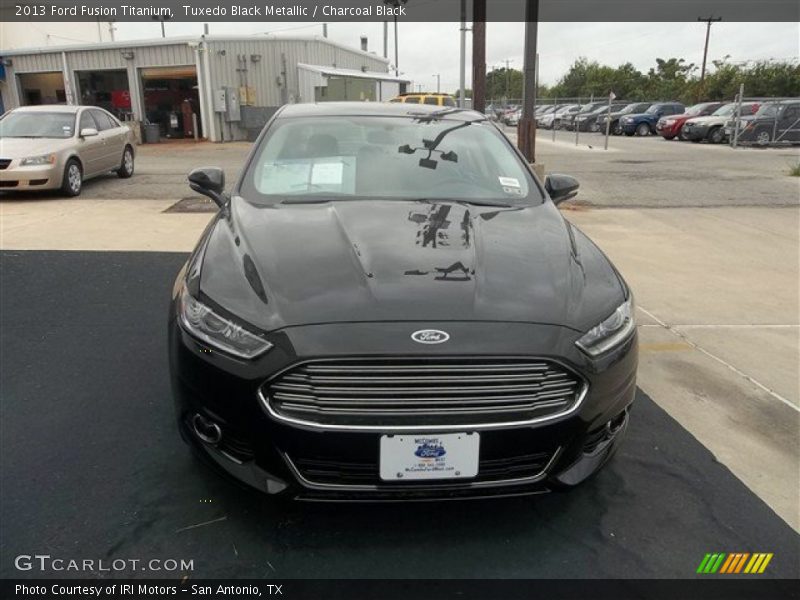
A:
(561, 187)
(209, 181)
(88, 132)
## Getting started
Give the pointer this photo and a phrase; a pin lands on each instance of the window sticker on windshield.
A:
(512, 191)
(509, 182)
(285, 177)
(329, 173)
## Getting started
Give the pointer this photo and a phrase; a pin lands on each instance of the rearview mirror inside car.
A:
(209, 181)
(561, 187)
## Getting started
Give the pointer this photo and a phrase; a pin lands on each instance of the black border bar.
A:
(711, 588)
(321, 11)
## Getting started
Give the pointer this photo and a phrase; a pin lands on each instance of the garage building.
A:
(217, 87)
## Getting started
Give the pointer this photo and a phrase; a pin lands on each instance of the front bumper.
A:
(695, 132)
(44, 177)
(668, 131)
(314, 463)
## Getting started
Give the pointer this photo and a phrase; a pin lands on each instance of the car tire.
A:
(72, 180)
(643, 129)
(616, 129)
(126, 165)
(716, 135)
(763, 137)
(682, 136)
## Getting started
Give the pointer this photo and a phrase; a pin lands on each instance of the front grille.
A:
(343, 472)
(418, 392)
(9, 183)
(4, 162)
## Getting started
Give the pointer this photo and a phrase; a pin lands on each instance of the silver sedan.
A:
(59, 147)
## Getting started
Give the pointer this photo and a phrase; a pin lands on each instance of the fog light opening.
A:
(206, 429)
(615, 424)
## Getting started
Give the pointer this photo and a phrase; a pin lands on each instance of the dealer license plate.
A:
(411, 457)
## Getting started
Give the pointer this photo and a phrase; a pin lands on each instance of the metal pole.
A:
(526, 136)
(396, 51)
(608, 120)
(555, 102)
(737, 115)
(324, 30)
(462, 69)
(708, 22)
(386, 39)
(479, 55)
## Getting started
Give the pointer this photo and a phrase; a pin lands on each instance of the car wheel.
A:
(763, 137)
(594, 127)
(616, 129)
(72, 181)
(126, 166)
(643, 129)
(716, 135)
(682, 136)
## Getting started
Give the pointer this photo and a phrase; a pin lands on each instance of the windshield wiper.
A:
(471, 202)
(319, 198)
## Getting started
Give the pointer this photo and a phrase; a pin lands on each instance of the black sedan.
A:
(389, 305)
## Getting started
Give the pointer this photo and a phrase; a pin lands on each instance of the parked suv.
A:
(670, 127)
(645, 123)
(629, 109)
(774, 122)
(569, 120)
(590, 121)
(712, 127)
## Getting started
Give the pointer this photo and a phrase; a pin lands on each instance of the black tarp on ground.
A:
(92, 467)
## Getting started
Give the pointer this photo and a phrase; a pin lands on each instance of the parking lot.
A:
(707, 237)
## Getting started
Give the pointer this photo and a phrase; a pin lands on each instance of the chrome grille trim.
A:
(295, 395)
(435, 485)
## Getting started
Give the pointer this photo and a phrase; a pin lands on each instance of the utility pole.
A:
(479, 55)
(707, 21)
(526, 130)
(508, 62)
(162, 19)
(395, 4)
(386, 39)
(324, 30)
(438, 82)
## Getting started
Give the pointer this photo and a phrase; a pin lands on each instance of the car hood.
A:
(11, 147)
(285, 265)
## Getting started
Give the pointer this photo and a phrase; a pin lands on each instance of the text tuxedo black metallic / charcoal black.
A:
(390, 306)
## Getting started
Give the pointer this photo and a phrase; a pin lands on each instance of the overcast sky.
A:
(430, 48)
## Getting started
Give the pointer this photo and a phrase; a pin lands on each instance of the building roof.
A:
(337, 72)
(192, 40)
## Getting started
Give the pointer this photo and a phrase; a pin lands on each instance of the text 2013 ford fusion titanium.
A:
(388, 306)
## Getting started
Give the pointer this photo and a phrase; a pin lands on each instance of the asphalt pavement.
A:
(92, 467)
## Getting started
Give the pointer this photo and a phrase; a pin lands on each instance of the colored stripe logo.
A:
(734, 563)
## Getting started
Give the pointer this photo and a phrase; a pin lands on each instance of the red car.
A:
(671, 126)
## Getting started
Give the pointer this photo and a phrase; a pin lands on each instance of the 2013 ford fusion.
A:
(388, 305)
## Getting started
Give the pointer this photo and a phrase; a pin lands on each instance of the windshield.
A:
(392, 158)
(653, 109)
(634, 108)
(768, 110)
(724, 111)
(37, 125)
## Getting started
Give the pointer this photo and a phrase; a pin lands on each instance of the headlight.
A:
(669, 122)
(45, 159)
(611, 332)
(203, 323)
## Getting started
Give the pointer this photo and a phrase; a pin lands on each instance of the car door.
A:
(90, 149)
(111, 154)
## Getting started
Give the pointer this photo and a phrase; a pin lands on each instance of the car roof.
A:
(377, 109)
(65, 108)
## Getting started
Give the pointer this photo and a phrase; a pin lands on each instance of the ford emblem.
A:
(430, 336)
